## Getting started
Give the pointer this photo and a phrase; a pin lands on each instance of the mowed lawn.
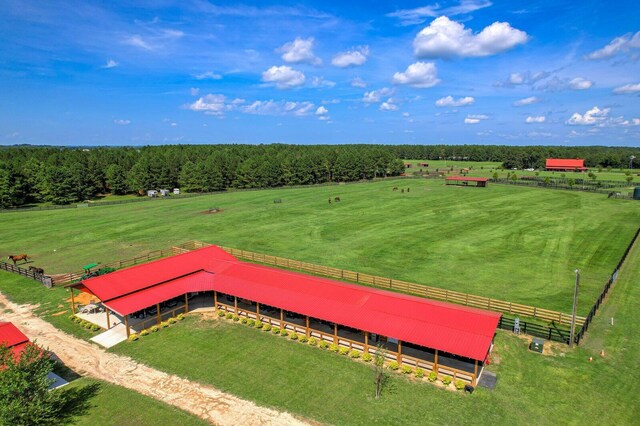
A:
(512, 243)
(563, 387)
(102, 403)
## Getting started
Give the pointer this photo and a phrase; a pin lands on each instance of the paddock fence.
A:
(46, 280)
(605, 290)
(602, 187)
(398, 285)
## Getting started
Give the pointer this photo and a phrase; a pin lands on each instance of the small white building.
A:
(164, 192)
(152, 193)
(176, 191)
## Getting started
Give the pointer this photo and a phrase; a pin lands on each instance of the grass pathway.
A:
(203, 401)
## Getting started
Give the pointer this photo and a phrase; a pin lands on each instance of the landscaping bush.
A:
(83, 323)
(266, 327)
(333, 347)
(313, 341)
(235, 318)
(302, 338)
(228, 315)
(220, 313)
(144, 332)
(172, 320)
(284, 333)
(244, 320)
(446, 380)
(133, 337)
(154, 328)
(354, 354)
(323, 344)
(433, 376)
(95, 327)
(259, 324)
(275, 330)
(164, 324)
(393, 365)
(251, 322)
(72, 317)
(406, 369)
(459, 384)
(419, 372)
(343, 350)
(366, 357)
(77, 320)
(293, 335)
(180, 317)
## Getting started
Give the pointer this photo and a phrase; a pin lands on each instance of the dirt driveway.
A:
(88, 359)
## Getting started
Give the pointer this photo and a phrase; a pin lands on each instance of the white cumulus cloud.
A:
(299, 51)
(376, 95)
(322, 82)
(121, 122)
(420, 74)
(536, 119)
(322, 111)
(351, 58)
(272, 107)
(444, 38)
(526, 101)
(593, 116)
(622, 44)
(580, 83)
(627, 89)
(358, 82)
(475, 119)
(388, 105)
(449, 101)
(210, 104)
(284, 77)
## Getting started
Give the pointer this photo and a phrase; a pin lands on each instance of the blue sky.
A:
(196, 71)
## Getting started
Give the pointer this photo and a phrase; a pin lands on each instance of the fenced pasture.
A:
(506, 243)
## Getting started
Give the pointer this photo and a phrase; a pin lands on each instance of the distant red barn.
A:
(565, 164)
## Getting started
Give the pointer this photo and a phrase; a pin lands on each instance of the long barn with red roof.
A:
(565, 165)
(415, 331)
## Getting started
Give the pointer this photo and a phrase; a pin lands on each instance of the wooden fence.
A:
(44, 279)
(398, 285)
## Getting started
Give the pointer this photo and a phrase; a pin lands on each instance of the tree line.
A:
(34, 174)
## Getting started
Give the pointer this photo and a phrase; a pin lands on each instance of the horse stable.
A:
(436, 336)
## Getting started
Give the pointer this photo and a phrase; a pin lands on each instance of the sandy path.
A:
(88, 359)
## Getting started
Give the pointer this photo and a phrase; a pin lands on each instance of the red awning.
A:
(11, 336)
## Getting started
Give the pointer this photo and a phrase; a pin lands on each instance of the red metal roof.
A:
(459, 330)
(12, 337)
(565, 163)
(468, 179)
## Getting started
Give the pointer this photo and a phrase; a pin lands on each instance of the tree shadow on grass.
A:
(76, 402)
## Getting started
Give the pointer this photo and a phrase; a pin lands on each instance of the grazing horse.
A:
(329, 200)
(337, 199)
(35, 270)
(16, 257)
(395, 188)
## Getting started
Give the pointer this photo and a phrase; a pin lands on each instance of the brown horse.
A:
(16, 257)
(336, 199)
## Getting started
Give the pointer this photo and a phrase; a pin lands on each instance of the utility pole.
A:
(575, 308)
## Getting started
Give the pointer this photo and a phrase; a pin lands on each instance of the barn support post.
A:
(158, 313)
(73, 302)
(235, 304)
(108, 322)
(307, 322)
(215, 301)
(435, 362)
(399, 351)
(257, 311)
(335, 333)
(282, 319)
(475, 374)
(126, 324)
(186, 303)
(366, 342)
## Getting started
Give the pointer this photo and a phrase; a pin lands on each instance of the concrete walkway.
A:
(111, 337)
(86, 358)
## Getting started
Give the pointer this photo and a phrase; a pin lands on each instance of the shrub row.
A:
(155, 328)
(83, 323)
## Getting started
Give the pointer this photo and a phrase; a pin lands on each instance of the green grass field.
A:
(562, 388)
(512, 243)
(101, 403)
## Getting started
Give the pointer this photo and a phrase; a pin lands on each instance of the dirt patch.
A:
(57, 314)
(84, 298)
(211, 211)
(203, 401)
